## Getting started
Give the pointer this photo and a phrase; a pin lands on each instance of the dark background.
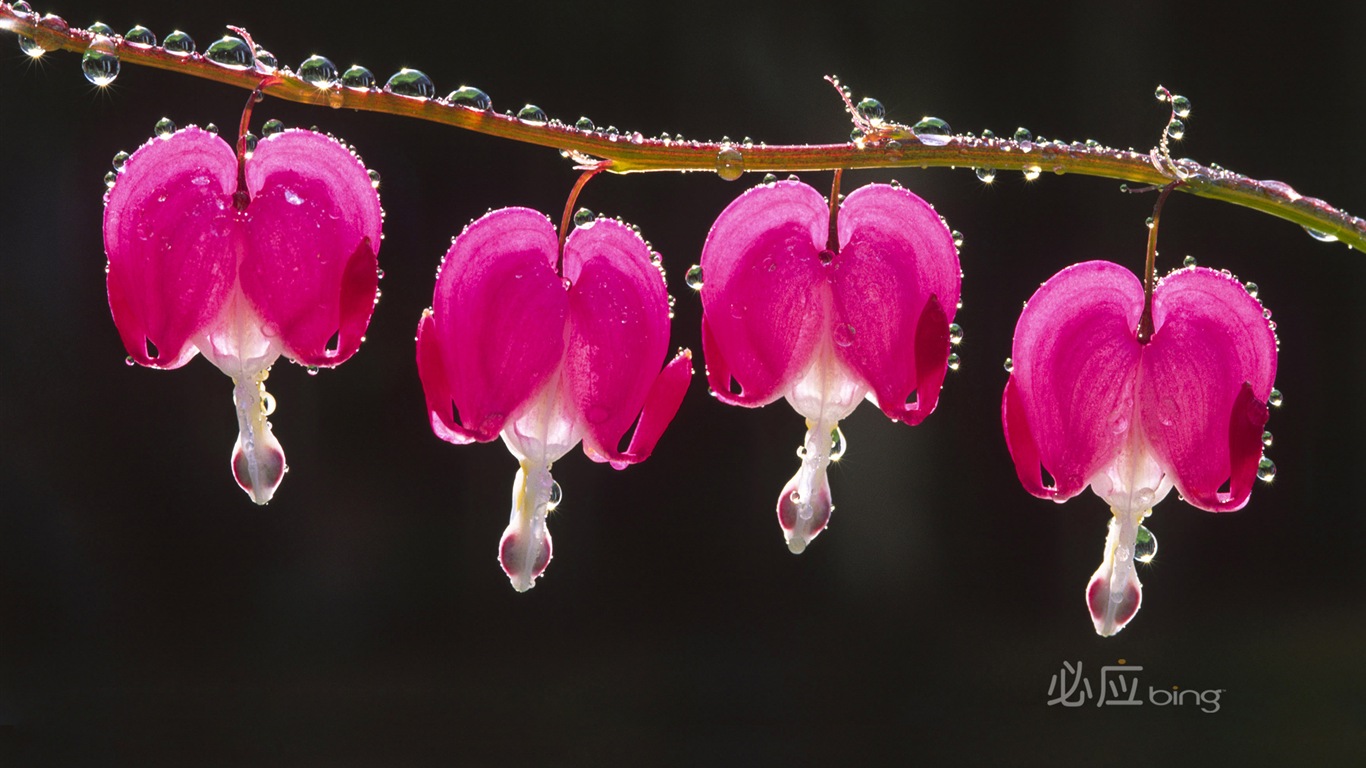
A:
(150, 614)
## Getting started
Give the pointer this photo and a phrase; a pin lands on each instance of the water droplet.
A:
(100, 29)
(586, 125)
(120, 160)
(955, 334)
(532, 115)
(957, 238)
(129, 360)
(769, 178)
(1009, 365)
(272, 127)
(100, 63)
(954, 361)
(583, 217)
(411, 83)
(694, 277)
(1148, 222)
(1145, 545)
(318, 71)
(1189, 261)
(374, 177)
(838, 445)
(232, 53)
(140, 36)
(1160, 94)
(212, 128)
(730, 164)
(1322, 237)
(30, 47)
(871, 110)
(358, 78)
(179, 44)
(985, 175)
(1181, 106)
(110, 178)
(844, 335)
(22, 7)
(1275, 399)
(1266, 439)
(1266, 470)
(1022, 134)
(312, 370)
(1176, 129)
(250, 140)
(164, 127)
(1251, 289)
(266, 59)
(1031, 172)
(932, 132)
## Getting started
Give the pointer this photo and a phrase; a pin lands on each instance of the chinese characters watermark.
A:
(1118, 686)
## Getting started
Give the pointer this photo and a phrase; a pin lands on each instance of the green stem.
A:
(631, 153)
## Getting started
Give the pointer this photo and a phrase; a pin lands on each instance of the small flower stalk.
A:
(825, 304)
(548, 347)
(243, 259)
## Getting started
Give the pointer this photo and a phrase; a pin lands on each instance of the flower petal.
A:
(764, 304)
(310, 270)
(618, 329)
(497, 326)
(1075, 355)
(896, 257)
(169, 233)
(1207, 373)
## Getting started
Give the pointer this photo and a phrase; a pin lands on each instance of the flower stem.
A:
(1145, 322)
(1325, 221)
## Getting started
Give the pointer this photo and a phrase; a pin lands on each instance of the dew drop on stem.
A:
(472, 98)
(932, 132)
(100, 62)
(532, 115)
(179, 44)
(412, 83)
(231, 53)
(358, 78)
(140, 36)
(730, 164)
(318, 71)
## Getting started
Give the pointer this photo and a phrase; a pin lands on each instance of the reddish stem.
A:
(1145, 322)
(568, 216)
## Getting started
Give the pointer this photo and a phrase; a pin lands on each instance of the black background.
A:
(153, 615)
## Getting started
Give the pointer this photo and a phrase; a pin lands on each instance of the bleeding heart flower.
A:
(243, 260)
(825, 311)
(548, 355)
(1092, 405)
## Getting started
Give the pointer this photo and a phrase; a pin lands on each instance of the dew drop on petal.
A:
(694, 277)
(231, 53)
(955, 334)
(120, 160)
(1266, 439)
(583, 217)
(179, 44)
(470, 97)
(374, 177)
(1009, 365)
(957, 239)
(844, 335)
(272, 127)
(164, 127)
(838, 445)
(1189, 261)
(100, 62)
(556, 496)
(1275, 398)
(932, 132)
(358, 78)
(140, 36)
(110, 179)
(1266, 470)
(318, 71)
(412, 83)
(955, 362)
(730, 164)
(1252, 289)
(532, 115)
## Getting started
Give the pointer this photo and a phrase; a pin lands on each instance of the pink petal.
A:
(896, 271)
(314, 229)
(169, 236)
(763, 301)
(496, 331)
(661, 404)
(1075, 356)
(1206, 375)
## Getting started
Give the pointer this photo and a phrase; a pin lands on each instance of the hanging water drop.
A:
(871, 110)
(694, 277)
(412, 83)
(100, 63)
(985, 175)
(30, 47)
(1275, 398)
(556, 496)
(1322, 237)
(1145, 545)
(583, 217)
(932, 132)
(954, 361)
(129, 361)
(838, 445)
(957, 238)
(532, 115)
(1266, 470)
(1031, 172)
(730, 164)
(164, 127)
(1266, 439)
(1181, 106)
(232, 53)
(1176, 129)
(358, 78)
(318, 71)
(955, 334)
(140, 36)
(272, 127)
(1009, 365)
(179, 44)
(374, 177)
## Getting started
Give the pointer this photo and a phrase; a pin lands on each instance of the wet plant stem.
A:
(630, 153)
